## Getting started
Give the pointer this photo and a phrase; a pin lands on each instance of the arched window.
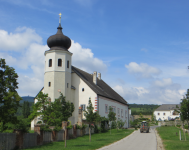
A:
(59, 62)
(50, 62)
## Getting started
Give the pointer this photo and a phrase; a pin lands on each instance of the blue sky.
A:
(140, 47)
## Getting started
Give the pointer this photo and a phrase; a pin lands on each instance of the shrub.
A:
(45, 128)
(57, 128)
(84, 126)
(39, 122)
(69, 127)
(78, 126)
(185, 126)
(113, 125)
(178, 126)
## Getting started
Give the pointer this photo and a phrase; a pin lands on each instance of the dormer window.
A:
(50, 62)
(59, 62)
(82, 89)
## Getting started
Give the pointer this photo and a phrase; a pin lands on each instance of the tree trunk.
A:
(89, 133)
(65, 137)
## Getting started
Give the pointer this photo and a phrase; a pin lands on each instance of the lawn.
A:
(171, 141)
(82, 143)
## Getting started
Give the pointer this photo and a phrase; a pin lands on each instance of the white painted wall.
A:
(118, 106)
(58, 76)
(165, 115)
(81, 97)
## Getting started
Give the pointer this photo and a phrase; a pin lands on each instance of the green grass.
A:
(171, 141)
(82, 143)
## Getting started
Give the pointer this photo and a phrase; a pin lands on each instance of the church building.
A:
(77, 85)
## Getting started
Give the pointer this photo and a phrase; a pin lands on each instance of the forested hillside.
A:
(145, 109)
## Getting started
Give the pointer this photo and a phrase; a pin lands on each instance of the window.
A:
(158, 114)
(59, 62)
(106, 108)
(82, 89)
(121, 112)
(83, 107)
(118, 111)
(114, 110)
(49, 84)
(164, 114)
(50, 62)
(67, 85)
(68, 64)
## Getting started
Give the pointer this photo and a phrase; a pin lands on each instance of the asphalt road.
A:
(135, 141)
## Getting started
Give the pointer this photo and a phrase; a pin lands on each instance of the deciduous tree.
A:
(111, 116)
(9, 98)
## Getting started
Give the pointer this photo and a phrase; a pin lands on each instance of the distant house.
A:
(166, 112)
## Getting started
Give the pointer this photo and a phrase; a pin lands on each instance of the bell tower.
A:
(57, 77)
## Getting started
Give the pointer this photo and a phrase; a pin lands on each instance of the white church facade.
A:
(76, 84)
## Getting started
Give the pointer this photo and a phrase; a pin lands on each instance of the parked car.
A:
(144, 127)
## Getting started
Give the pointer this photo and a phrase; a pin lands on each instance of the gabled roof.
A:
(101, 89)
(167, 107)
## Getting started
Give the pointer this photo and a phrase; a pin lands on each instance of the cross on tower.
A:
(60, 18)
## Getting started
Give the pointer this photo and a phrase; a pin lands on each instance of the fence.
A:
(7, 141)
(29, 140)
(171, 123)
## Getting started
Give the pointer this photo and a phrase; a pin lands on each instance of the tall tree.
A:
(9, 98)
(90, 116)
(184, 110)
(111, 116)
(40, 106)
(25, 109)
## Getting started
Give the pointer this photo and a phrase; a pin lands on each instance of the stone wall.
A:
(144, 116)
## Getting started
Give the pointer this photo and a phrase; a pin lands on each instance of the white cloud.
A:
(84, 59)
(144, 50)
(23, 50)
(19, 40)
(159, 92)
(142, 70)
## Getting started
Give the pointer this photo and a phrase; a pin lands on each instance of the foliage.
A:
(185, 126)
(178, 126)
(111, 114)
(45, 128)
(69, 125)
(57, 128)
(90, 115)
(40, 106)
(52, 113)
(113, 124)
(78, 126)
(39, 122)
(22, 124)
(120, 123)
(141, 116)
(9, 98)
(184, 109)
(26, 109)
(83, 126)
(153, 117)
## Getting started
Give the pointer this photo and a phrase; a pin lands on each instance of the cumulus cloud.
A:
(84, 59)
(19, 40)
(162, 91)
(142, 70)
(24, 51)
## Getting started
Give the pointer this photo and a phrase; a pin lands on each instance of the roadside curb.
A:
(159, 141)
(117, 142)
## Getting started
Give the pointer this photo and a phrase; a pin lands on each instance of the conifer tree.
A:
(9, 98)
(25, 109)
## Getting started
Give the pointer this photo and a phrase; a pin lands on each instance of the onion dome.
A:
(59, 40)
